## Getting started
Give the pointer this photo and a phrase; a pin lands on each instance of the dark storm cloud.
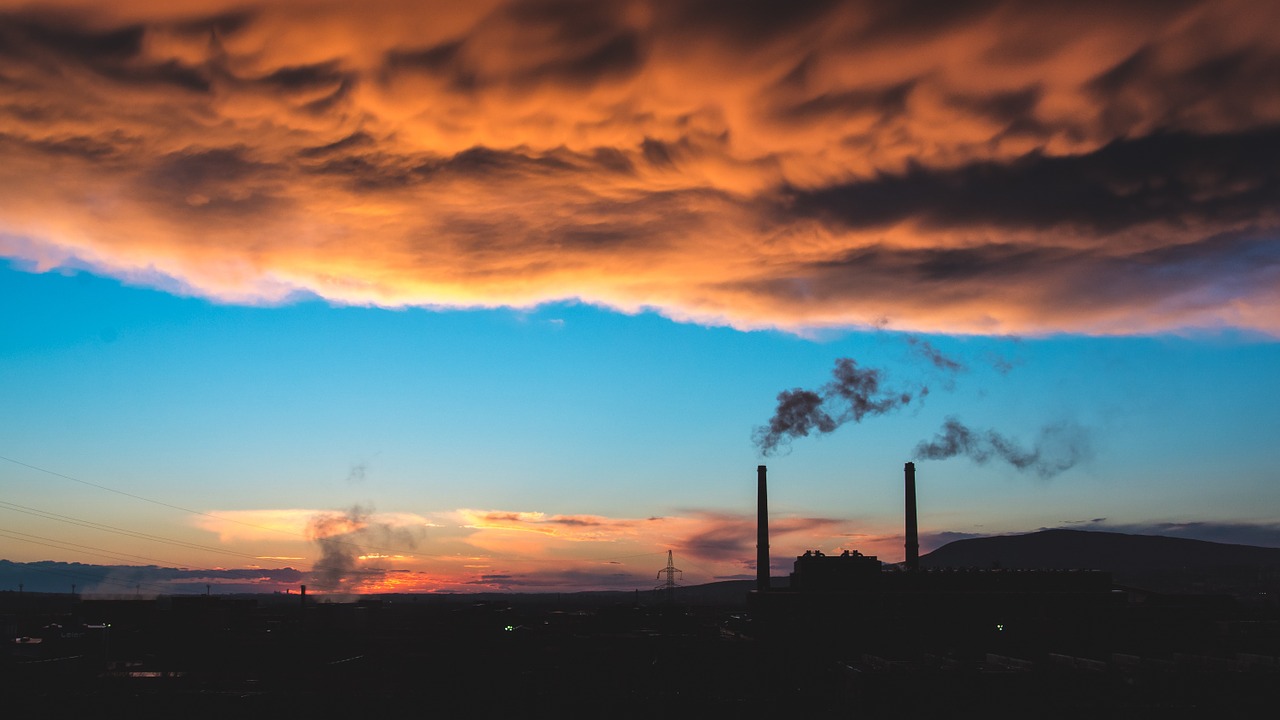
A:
(564, 43)
(1085, 283)
(1126, 183)
(305, 77)
(356, 160)
(983, 166)
(620, 54)
(30, 35)
(220, 182)
(1220, 87)
(194, 171)
(743, 22)
(354, 141)
(886, 102)
(85, 148)
(115, 54)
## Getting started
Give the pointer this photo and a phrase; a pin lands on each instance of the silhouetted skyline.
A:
(510, 294)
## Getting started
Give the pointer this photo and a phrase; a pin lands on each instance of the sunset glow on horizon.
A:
(494, 295)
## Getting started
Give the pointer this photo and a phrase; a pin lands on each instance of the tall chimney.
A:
(762, 531)
(913, 540)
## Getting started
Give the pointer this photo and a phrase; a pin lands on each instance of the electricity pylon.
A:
(670, 571)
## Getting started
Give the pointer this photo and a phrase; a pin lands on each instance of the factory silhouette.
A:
(853, 603)
(843, 633)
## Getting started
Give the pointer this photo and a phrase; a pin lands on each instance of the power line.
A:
(707, 572)
(85, 549)
(622, 557)
(354, 545)
(14, 507)
(147, 499)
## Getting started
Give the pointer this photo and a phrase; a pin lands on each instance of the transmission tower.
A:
(670, 571)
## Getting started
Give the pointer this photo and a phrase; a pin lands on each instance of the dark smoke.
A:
(852, 394)
(342, 538)
(936, 357)
(1001, 365)
(358, 472)
(337, 563)
(799, 411)
(1058, 448)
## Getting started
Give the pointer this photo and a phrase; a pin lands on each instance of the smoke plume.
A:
(936, 357)
(852, 394)
(358, 472)
(1058, 448)
(343, 538)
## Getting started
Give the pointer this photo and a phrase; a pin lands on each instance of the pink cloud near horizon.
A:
(469, 550)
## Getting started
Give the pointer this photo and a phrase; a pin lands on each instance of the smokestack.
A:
(913, 540)
(762, 531)
(303, 596)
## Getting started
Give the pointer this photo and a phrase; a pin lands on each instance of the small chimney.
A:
(913, 539)
(762, 531)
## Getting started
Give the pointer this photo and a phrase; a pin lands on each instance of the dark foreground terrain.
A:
(260, 656)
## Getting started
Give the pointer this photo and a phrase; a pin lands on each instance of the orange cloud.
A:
(573, 528)
(466, 550)
(293, 524)
(520, 545)
(1008, 167)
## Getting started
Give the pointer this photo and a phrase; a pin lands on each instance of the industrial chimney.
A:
(762, 531)
(913, 540)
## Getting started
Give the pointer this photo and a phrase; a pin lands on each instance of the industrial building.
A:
(856, 602)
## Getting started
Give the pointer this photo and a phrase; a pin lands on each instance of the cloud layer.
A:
(468, 550)
(985, 166)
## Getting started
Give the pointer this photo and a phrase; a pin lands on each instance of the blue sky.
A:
(573, 410)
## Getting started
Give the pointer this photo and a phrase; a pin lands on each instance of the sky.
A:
(497, 295)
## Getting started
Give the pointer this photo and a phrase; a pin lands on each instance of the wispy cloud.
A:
(356, 550)
(289, 524)
(568, 526)
(712, 544)
(465, 550)
(146, 580)
(1004, 167)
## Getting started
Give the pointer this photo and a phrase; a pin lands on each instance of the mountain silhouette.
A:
(1151, 561)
